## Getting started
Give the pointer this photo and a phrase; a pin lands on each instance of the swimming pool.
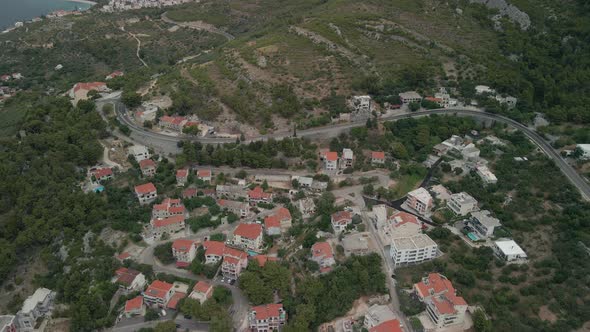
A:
(472, 236)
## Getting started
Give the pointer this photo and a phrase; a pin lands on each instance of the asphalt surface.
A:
(330, 131)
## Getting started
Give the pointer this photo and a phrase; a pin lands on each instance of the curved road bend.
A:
(566, 169)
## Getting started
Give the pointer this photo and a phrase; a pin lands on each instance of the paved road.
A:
(331, 131)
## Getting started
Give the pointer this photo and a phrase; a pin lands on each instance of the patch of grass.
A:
(405, 184)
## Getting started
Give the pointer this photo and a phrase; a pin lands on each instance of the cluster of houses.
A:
(485, 90)
(121, 5)
(6, 91)
(35, 308)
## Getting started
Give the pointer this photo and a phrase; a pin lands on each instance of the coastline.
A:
(91, 3)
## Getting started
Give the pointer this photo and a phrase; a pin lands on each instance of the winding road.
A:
(147, 137)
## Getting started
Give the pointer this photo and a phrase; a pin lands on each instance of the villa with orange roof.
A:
(443, 306)
(167, 225)
(262, 259)
(321, 253)
(114, 74)
(135, 307)
(102, 174)
(213, 251)
(340, 220)
(181, 177)
(377, 157)
(278, 222)
(172, 122)
(267, 317)
(392, 325)
(234, 261)
(168, 208)
(248, 236)
(147, 167)
(189, 193)
(330, 159)
(184, 251)
(146, 193)
(80, 90)
(202, 291)
(158, 293)
(204, 175)
(257, 195)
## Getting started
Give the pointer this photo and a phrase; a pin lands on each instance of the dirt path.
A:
(199, 25)
(138, 46)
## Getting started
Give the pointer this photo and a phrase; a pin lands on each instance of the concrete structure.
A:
(167, 225)
(213, 251)
(420, 200)
(248, 236)
(234, 261)
(139, 152)
(168, 208)
(134, 307)
(158, 293)
(378, 314)
(202, 291)
(509, 251)
(267, 318)
(483, 223)
(181, 177)
(340, 220)
(377, 157)
(321, 253)
(129, 279)
(486, 175)
(443, 306)
(40, 304)
(361, 104)
(240, 209)
(410, 97)
(585, 148)
(413, 250)
(356, 244)
(184, 251)
(307, 207)
(146, 193)
(462, 204)
(231, 191)
(147, 167)
(347, 159)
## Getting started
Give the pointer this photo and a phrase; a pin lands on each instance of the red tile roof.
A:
(168, 221)
(145, 188)
(271, 221)
(341, 217)
(204, 173)
(214, 248)
(283, 213)
(267, 311)
(400, 218)
(387, 326)
(435, 284)
(377, 155)
(331, 156)
(175, 299)
(182, 173)
(99, 173)
(189, 193)
(89, 86)
(134, 304)
(126, 276)
(436, 100)
(258, 193)
(158, 289)
(262, 259)
(183, 245)
(202, 287)
(322, 249)
(249, 231)
(146, 163)
(123, 256)
(115, 74)
(233, 255)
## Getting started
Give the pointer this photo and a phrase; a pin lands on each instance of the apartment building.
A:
(413, 250)
(347, 159)
(257, 195)
(483, 223)
(267, 318)
(146, 193)
(38, 305)
(202, 291)
(168, 225)
(158, 293)
(330, 161)
(419, 200)
(168, 208)
(321, 253)
(234, 261)
(213, 251)
(462, 204)
(248, 236)
(147, 167)
(443, 306)
(184, 251)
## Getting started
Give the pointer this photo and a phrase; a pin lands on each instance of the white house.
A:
(509, 251)
(483, 223)
(420, 200)
(486, 175)
(462, 203)
(410, 97)
(376, 315)
(347, 159)
(139, 152)
(37, 305)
